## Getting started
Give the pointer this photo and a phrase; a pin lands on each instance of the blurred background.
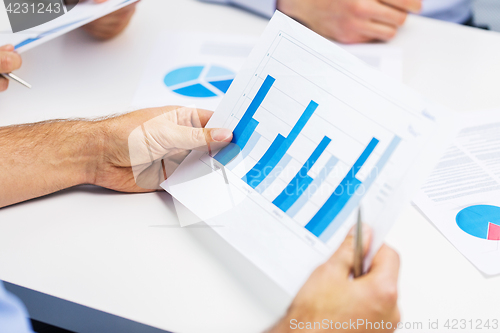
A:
(488, 12)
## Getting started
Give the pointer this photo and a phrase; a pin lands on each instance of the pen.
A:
(358, 247)
(16, 78)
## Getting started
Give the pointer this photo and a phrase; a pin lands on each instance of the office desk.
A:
(125, 254)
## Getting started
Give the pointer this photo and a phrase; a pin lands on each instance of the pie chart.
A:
(202, 81)
(482, 221)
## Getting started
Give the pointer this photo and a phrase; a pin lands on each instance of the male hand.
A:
(331, 296)
(139, 150)
(351, 21)
(112, 24)
(9, 61)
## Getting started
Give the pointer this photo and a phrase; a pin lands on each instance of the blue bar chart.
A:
(339, 198)
(246, 126)
(297, 192)
(299, 184)
(278, 149)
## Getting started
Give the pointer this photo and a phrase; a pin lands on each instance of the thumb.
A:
(190, 138)
(343, 258)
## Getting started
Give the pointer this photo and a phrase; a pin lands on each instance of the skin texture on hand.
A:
(42, 158)
(331, 294)
(9, 61)
(110, 25)
(141, 149)
(352, 21)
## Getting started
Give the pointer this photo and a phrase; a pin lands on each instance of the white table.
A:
(124, 254)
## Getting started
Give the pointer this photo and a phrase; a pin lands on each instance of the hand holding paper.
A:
(141, 149)
(112, 24)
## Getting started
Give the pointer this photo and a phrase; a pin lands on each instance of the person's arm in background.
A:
(110, 25)
(346, 21)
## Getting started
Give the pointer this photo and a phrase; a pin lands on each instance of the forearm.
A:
(42, 158)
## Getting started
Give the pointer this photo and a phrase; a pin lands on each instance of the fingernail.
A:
(220, 134)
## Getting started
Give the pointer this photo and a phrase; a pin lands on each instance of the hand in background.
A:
(330, 294)
(141, 149)
(110, 25)
(352, 21)
(9, 61)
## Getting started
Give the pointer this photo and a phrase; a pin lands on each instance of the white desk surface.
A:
(123, 254)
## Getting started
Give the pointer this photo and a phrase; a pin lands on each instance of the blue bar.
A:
(274, 174)
(333, 206)
(247, 133)
(252, 108)
(294, 209)
(301, 181)
(286, 199)
(364, 156)
(228, 153)
(246, 126)
(354, 203)
(245, 151)
(276, 152)
(255, 176)
(341, 195)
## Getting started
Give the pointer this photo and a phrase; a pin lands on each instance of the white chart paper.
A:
(320, 133)
(80, 15)
(462, 195)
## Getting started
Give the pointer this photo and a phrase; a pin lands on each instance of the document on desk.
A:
(192, 69)
(462, 195)
(81, 14)
(317, 132)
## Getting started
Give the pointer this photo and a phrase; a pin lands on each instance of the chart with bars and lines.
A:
(316, 134)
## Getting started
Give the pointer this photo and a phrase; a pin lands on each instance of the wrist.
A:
(88, 147)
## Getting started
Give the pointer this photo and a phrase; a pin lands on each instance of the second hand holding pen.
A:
(358, 247)
(16, 78)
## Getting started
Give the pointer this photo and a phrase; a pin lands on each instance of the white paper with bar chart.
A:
(316, 133)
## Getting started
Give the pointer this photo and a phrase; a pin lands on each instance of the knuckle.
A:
(402, 19)
(390, 295)
(198, 136)
(359, 8)
(393, 255)
(390, 34)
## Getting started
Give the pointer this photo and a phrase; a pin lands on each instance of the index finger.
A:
(413, 6)
(9, 61)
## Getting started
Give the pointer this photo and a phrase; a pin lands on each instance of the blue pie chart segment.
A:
(201, 81)
(482, 221)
